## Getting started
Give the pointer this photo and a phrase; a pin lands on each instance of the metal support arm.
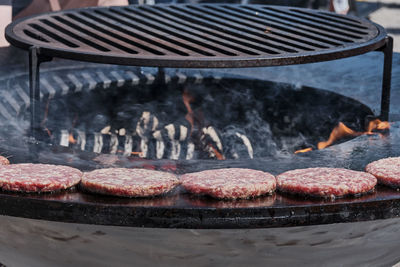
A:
(35, 59)
(387, 50)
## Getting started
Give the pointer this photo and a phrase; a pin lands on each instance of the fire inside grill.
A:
(216, 119)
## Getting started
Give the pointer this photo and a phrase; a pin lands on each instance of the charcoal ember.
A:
(94, 136)
(236, 144)
(145, 128)
(211, 145)
(175, 138)
(121, 136)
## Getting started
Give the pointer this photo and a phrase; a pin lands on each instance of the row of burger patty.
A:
(230, 183)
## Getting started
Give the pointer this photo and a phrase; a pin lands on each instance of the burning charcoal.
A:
(171, 141)
(175, 146)
(237, 145)
(145, 127)
(190, 151)
(81, 139)
(176, 135)
(114, 143)
(94, 140)
(212, 143)
(128, 145)
(64, 138)
(67, 138)
(106, 139)
(121, 136)
(98, 143)
(160, 146)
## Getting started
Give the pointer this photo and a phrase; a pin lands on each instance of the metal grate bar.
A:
(357, 28)
(289, 28)
(34, 34)
(55, 38)
(105, 39)
(196, 35)
(156, 34)
(143, 40)
(328, 37)
(214, 48)
(240, 29)
(261, 29)
(315, 23)
(201, 26)
(115, 35)
(288, 35)
(226, 31)
(342, 18)
(304, 25)
(324, 16)
(213, 38)
(70, 33)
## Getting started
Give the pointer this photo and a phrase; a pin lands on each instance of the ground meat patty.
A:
(4, 161)
(28, 177)
(129, 182)
(229, 183)
(386, 170)
(325, 182)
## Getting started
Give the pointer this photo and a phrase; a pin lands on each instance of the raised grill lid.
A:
(197, 35)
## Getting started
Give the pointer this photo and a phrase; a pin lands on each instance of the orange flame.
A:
(71, 139)
(378, 125)
(132, 153)
(217, 154)
(303, 150)
(47, 131)
(338, 132)
(342, 131)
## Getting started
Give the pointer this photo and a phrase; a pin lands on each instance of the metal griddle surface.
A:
(182, 210)
(196, 36)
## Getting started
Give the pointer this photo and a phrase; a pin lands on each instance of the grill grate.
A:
(197, 35)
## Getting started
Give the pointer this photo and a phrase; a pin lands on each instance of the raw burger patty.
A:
(229, 183)
(386, 170)
(129, 182)
(325, 182)
(28, 177)
(4, 161)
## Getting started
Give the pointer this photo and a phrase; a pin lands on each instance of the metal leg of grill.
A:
(387, 77)
(160, 74)
(34, 90)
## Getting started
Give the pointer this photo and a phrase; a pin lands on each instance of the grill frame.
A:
(373, 40)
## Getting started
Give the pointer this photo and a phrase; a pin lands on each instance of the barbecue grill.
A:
(202, 36)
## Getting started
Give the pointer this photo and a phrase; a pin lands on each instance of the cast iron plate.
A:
(196, 36)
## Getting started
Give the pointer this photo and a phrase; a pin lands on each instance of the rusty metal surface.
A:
(196, 36)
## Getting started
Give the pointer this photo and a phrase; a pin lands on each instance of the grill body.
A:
(196, 36)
